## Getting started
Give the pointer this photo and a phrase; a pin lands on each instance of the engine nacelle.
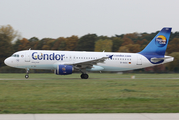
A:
(64, 69)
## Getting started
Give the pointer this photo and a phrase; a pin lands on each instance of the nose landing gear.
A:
(26, 76)
(27, 72)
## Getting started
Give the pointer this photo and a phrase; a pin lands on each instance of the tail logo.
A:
(161, 41)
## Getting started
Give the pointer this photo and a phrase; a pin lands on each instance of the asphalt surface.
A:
(112, 116)
(75, 78)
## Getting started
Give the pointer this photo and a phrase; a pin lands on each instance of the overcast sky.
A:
(64, 18)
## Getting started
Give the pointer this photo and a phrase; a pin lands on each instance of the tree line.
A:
(11, 41)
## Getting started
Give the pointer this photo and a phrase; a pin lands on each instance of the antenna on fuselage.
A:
(29, 48)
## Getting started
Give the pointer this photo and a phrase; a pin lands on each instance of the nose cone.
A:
(8, 62)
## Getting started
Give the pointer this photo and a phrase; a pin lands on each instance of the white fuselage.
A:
(46, 59)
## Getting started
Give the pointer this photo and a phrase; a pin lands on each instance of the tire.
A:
(84, 76)
(26, 76)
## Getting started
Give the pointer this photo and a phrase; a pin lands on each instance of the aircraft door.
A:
(27, 56)
(139, 60)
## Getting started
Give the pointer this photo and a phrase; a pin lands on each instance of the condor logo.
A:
(41, 56)
(161, 41)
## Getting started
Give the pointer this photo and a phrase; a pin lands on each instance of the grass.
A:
(102, 93)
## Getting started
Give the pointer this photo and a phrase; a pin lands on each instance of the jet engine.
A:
(64, 70)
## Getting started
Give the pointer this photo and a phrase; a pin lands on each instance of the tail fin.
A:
(157, 47)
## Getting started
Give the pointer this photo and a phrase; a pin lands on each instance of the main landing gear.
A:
(27, 72)
(84, 76)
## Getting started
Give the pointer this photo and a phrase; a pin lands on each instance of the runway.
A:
(80, 78)
(112, 116)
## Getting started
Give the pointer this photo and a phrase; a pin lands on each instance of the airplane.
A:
(67, 62)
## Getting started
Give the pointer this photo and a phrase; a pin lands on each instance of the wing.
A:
(89, 64)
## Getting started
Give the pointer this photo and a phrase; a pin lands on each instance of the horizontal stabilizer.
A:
(159, 59)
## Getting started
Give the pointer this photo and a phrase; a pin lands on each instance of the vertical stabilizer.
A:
(157, 47)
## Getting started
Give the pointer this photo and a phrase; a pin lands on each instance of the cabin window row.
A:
(80, 58)
(120, 59)
(92, 58)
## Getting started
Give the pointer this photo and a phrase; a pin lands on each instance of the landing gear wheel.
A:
(84, 76)
(26, 76)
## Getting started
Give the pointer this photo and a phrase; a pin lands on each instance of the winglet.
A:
(111, 57)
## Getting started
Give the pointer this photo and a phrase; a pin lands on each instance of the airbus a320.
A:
(67, 62)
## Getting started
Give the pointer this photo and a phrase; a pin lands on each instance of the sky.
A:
(64, 18)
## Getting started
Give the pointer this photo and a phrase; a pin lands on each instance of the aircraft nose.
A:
(7, 61)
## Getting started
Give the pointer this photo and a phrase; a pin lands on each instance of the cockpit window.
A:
(15, 55)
